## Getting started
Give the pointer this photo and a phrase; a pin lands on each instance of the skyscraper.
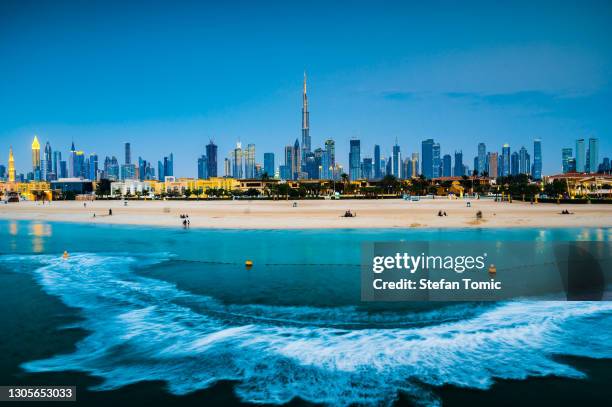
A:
(566, 155)
(505, 160)
(249, 161)
(377, 161)
(593, 154)
(580, 156)
(427, 158)
(524, 161)
(482, 158)
(93, 167)
(48, 168)
(330, 147)
(436, 160)
(296, 160)
(459, 170)
(36, 158)
(73, 172)
(237, 165)
(354, 159)
(11, 166)
(514, 163)
(366, 168)
(211, 159)
(537, 159)
(305, 123)
(447, 165)
(269, 164)
(203, 167)
(128, 154)
(57, 157)
(396, 161)
(492, 164)
(286, 171)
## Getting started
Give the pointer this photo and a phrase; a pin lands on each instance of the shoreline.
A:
(316, 214)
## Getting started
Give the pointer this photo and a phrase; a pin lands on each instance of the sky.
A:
(170, 76)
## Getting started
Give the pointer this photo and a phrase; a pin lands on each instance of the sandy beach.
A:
(315, 214)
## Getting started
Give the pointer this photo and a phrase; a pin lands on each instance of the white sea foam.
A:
(147, 329)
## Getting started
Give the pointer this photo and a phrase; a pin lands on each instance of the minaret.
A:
(11, 166)
(35, 155)
(305, 123)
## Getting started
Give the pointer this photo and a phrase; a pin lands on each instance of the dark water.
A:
(167, 317)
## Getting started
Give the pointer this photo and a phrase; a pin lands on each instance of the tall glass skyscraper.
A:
(203, 167)
(459, 169)
(377, 161)
(355, 159)
(366, 168)
(249, 161)
(566, 156)
(537, 159)
(211, 159)
(436, 160)
(447, 165)
(305, 123)
(427, 158)
(482, 158)
(580, 155)
(396, 161)
(524, 161)
(269, 164)
(593, 154)
(505, 160)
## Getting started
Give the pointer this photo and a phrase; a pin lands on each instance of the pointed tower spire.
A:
(305, 124)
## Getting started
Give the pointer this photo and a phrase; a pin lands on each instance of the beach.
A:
(316, 214)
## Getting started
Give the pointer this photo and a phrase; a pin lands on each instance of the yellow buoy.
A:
(248, 264)
(492, 269)
(65, 255)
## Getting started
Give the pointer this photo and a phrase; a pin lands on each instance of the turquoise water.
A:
(178, 306)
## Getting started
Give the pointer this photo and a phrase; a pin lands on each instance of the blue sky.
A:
(169, 76)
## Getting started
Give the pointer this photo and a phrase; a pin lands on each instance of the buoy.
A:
(492, 269)
(65, 255)
(248, 264)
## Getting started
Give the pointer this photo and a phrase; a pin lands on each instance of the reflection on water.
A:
(40, 231)
(13, 229)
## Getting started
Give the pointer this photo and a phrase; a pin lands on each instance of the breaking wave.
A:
(141, 328)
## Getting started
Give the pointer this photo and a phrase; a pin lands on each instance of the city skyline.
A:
(467, 81)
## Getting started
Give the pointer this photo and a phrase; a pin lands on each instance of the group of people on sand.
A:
(566, 212)
(442, 213)
(349, 214)
(186, 222)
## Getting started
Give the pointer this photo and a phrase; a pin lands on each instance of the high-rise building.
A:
(593, 154)
(330, 147)
(514, 163)
(492, 164)
(286, 171)
(73, 172)
(269, 164)
(36, 159)
(524, 161)
(305, 123)
(537, 159)
(436, 160)
(396, 160)
(93, 167)
(227, 167)
(427, 164)
(566, 155)
(249, 161)
(296, 161)
(482, 158)
(366, 168)
(48, 167)
(128, 154)
(580, 155)
(354, 159)
(211, 159)
(203, 167)
(459, 170)
(377, 161)
(447, 165)
(237, 165)
(111, 168)
(415, 165)
(57, 157)
(11, 166)
(505, 160)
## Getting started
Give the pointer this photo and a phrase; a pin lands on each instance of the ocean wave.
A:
(141, 328)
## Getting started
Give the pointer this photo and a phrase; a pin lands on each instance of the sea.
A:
(163, 316)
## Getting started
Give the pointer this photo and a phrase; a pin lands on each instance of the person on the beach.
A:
(110, 212)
